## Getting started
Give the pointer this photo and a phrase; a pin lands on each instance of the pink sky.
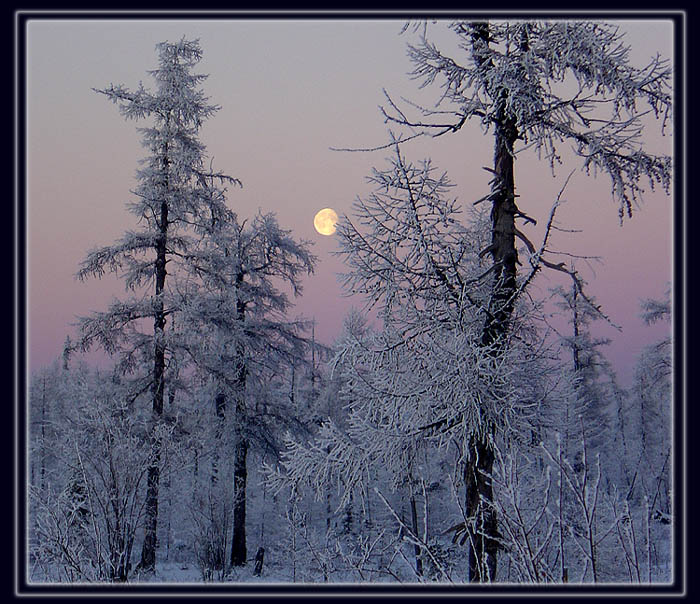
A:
(289, 90)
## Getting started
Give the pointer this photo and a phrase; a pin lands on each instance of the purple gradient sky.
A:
(289, 90)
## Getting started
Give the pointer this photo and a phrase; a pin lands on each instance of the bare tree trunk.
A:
(148, 552)
(414, 527)
(482, 517)
(168, 486)
(220, 404)
(479, 490)
(42, 472)
(239, 553)
(218, 546)
(576, 352)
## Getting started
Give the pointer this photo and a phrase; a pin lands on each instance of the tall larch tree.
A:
(176, 199)
(543, 85)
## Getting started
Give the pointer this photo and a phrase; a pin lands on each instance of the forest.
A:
(450, 434)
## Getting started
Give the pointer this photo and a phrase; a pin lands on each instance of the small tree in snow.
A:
(239, 334)
(650, 412)
(591, 399)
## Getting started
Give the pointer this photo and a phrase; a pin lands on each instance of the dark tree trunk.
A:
(482, 518)
(220, 404)
(576, 351)
(259, 558)
(148, 552)
(414, 527)
(483, 550)
(218, 546)
(239, 552)
(503, 251)
(240, 471)
(479, 490)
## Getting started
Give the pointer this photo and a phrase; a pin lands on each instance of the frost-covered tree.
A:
(88, 515)
(50, 394)
(53, 392)
(239, 334)
(649, 431)
(424, 385)
(592, 396)
(538, 85)
(649, 426)
(174, 199)
(44, 400)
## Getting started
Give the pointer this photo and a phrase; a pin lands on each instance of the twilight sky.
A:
(289, 90)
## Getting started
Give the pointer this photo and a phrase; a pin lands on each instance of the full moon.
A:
(325, 220)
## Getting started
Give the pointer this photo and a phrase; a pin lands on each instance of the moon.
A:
(325, 220)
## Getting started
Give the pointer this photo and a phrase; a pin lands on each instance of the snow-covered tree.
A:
(174, 199)
(424, 382)
(591, 400)
(239, 334)
(88, 516)
(649, 413)
(53, 392)
(515, 78)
